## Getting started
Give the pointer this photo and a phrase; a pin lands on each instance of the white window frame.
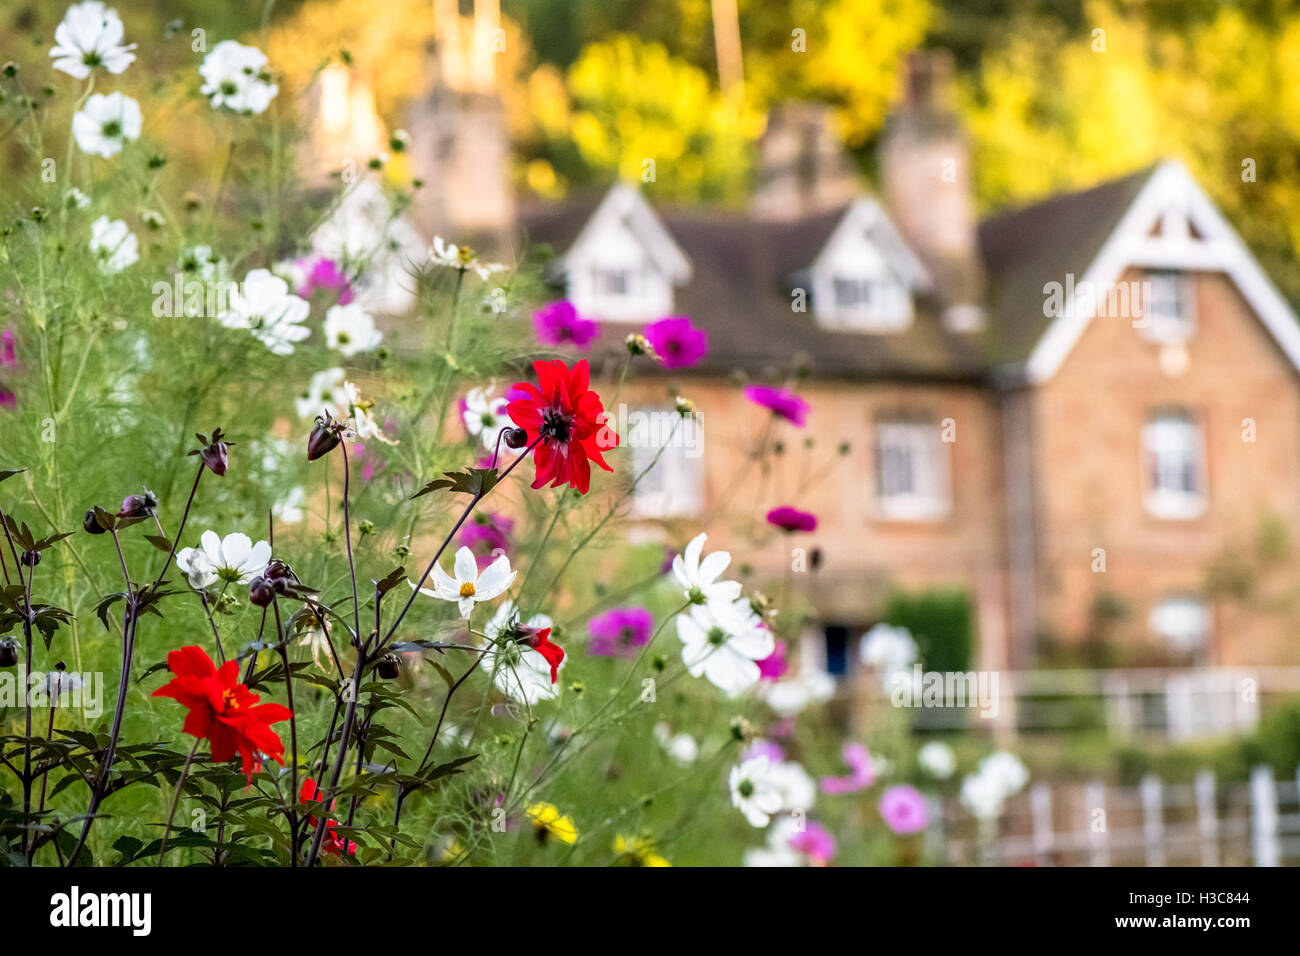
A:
(674, 487)
(929, 497)
(1173, 447)
(887, 306)
(1169, 311)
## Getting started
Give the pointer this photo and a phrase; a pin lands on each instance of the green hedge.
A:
(940, 622)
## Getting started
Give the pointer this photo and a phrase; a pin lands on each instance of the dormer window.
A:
(611, 283)
(624, 265)
(1170, 314)
(864, 277)
(869, 303)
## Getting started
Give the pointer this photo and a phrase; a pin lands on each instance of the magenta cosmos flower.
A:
(323, 273)
(774, 666)
(677, 343)
(780, 402)
(861, 772)
(8, 356)
(560, 324)
(815, 842)
(488, 537)
(903, 809)
(792, 519)
(620, 631)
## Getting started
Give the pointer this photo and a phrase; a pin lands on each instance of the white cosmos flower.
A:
(888, 650)
(325, 393)
(1006, 769)
(681, 748)
(789, 697)
(797, 788)
(699, 578)
(724, 654)
(235, 77)
(780, 850)
(937, 759)
(90, 36)
(982, 796)
(199, 262)
(451, 256)
(233, 558)
(350, 329)
(985, 792)
(754, 792)
(468, 587)
(365, 236)
(113, 245)
(362, 413)
(263, 305)
(486, 417)
(518, 671)
(105, 124)
(289, 509)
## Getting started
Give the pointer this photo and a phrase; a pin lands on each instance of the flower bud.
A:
(324, 438)
(389, 666)
(8, 653)
(516, 437)
(30, 558)
(138, 506)
(91, 523)
(261, 592)
(215, 454)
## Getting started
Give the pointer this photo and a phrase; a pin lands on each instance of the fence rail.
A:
(1173, 703)
(1204, 823)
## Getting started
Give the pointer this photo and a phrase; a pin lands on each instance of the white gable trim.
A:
(1172, 198)
(624, 205)
(868, 216)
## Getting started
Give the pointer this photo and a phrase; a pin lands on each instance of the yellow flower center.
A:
(467, 589)
(228, 698)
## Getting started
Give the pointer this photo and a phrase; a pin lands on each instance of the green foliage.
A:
(941, 624)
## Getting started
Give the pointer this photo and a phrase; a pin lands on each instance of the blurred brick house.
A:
(1080, 413)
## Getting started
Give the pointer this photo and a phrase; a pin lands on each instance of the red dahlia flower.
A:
(566, 420)
(332, 842)
(223, 711)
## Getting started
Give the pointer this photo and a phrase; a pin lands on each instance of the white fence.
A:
(1172, 703)
(1204, 823)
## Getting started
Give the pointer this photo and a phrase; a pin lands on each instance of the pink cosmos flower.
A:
(774, 666)
(781, 403)
(487, 536)
(7, 354)
(862, 774)
(620, 631)
(559, 324)
(677, 343)
(903, 809)
(815, 842)
(7, 398)
(792, 519)
(764, 748)
(323, 273)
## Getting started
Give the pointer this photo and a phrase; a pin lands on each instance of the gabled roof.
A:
(866, 215)
(624, 207)
(1026, 248)
(742, 270)
(1157, 218)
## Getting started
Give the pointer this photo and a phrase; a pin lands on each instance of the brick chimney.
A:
(926, 185)
(460, 143)
(802, 165)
